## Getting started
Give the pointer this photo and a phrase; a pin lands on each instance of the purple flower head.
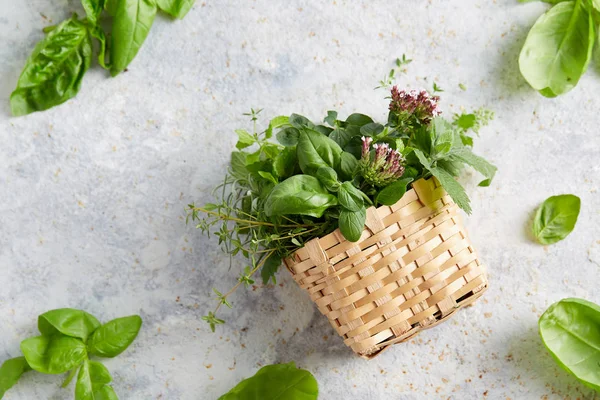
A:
(381, 166)
(414, 103)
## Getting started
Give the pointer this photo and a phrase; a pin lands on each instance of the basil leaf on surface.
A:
(570, 330)
(316, 150)
(92, 378)
(132, 22)
(112, 338)
(276, 382)
(53, 355)
(352, 223)
(176, 8)
(54, 71)
(300, 195)
(93, 8)
(556, 218)
(558, 48)
(69, 322)
(350, 197)
(10, 372)
(393, 192)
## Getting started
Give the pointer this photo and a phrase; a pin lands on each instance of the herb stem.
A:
(69, 378)
(247, 221)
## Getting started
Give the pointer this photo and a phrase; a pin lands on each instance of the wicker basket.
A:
(412, 268)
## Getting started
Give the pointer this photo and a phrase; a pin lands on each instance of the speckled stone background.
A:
(92, 195)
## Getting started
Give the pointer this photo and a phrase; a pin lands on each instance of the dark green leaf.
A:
(299, 122)
(331, 118)
(10, 372)
(288, 137)
(315, 150)
(269, 268)
(176, 8)
(352, 223)
(276, 382)
(92, 378)
(132, 22)
(570, 330)
(350, 197)
(112, 338)
(53, 355)
(324, 130)
(348, 166)
(371, 129)
(328, 177)
(556, 218)
(285, 162)
(358, 119)
(301, 195)
(392, 193)
(54, 71)
(558, 48)
(69, 322)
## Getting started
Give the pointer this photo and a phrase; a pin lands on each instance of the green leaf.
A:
(479, 164)
(331, 118)
(176, 8)
(132, 22)
(268, 176)
(54, 71)
(393, 192)
(10, 372)
(465, 121)
(276, 382)
(244, 139)
(69, 322)
(358, 119)
(288, 137)
(238, 165)
(99, 35)
(352, 223)
(570, 330)
(558, 48)
(300, 122)
(350, 197)
(371, 129)
(53, 355)
(93, 8)
(328, 177)
(556, 218)
(111, 6)
(285, 163)
(275, 123)
(348, 166)
(112, 338)
(91, 380)
(315, 150)
(269, 268)
(299, 195)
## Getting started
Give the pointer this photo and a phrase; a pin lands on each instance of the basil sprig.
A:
(68, 338)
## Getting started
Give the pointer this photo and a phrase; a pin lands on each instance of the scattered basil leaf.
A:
(54, 71)
(176, 8)
(556, 218)
(112, 338)
(132, 22)
(10, 372)
(350, 197)
(352, 223)
(301, 195)
(93, 8)
(99, 35)
(69, 322)
(558, 48)
(276, 382)
(288, 137)
(392, 193)
(92, 378)
(570, 330)
(53, 355)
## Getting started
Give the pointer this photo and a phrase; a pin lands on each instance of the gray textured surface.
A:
(92, 195)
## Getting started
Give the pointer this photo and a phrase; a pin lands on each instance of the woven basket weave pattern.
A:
(412, 267)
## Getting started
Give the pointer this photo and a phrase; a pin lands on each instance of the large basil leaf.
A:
(316, 150)
(53, 355)
(299, 194)
(55, 69)
(570, 330)
(112, 338)
(91, 380)
(352, 223)
(176, 8)
(132, 22)
(68, 321)
(393, 192)
(558, 48)
(10, 372)
(556, 218)
(276, 382)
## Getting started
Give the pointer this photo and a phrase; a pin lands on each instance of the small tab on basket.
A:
(428, 192)
(373, 222)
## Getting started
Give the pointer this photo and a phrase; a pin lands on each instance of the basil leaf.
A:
(93, 8)
(111, 6)
(69, 322)
(275, 123)
(570, 330)
(285, 163)
(358, 119)
(276, 382)
(268, 176)
(350, 197)
(556, 218)
(348, 166)
(301, 195)
(92, 378)
(393, 192)
(132, 22)
(53, 355)
(269, 268)
(54, 71)
(98, 34)
(288, 137)
(328, 177)
(352, 223)
(300, 122)
(112, 338)
(558, 48)
(176, 8)
(10, 372)
(330, 118)
(316, 150)
(371, 129)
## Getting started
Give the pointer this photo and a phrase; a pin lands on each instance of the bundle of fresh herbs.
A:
(319, 177)
(54, 71)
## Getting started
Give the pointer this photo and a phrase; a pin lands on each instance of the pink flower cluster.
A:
(418, 103)
(384, 167)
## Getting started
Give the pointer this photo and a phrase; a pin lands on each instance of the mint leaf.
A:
(478, 163)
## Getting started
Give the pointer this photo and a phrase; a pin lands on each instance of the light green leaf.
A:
(10, 372)
(268, 176)
(556, 218)
(53, 355)
(69, 322)
(478, 163)
(176, 8)
(244, 139)
(93, 8)
(299, 195)
(112, 338)
(92, 378)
